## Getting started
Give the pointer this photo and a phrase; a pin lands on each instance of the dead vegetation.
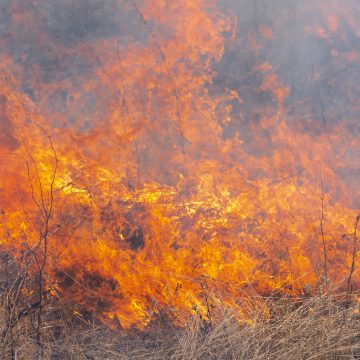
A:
(317, 327)
(37, 321)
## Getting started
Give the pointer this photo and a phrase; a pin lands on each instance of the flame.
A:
(169, 173)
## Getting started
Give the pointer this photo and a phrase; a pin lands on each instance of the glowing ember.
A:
(200, 147)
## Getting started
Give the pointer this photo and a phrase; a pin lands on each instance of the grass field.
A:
(316, 327)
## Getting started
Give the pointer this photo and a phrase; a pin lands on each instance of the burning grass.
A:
(165, 162)
(148, 147)
(325, 326)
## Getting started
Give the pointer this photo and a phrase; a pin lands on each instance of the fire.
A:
(170, 171)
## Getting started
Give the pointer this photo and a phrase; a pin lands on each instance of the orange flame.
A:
(170, 183)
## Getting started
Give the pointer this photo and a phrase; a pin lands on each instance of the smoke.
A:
(55, 48)
(7, 138)
(292, 61)
(194, 139)
(310, 49)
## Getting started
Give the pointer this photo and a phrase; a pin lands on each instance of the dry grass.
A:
(316, 328)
